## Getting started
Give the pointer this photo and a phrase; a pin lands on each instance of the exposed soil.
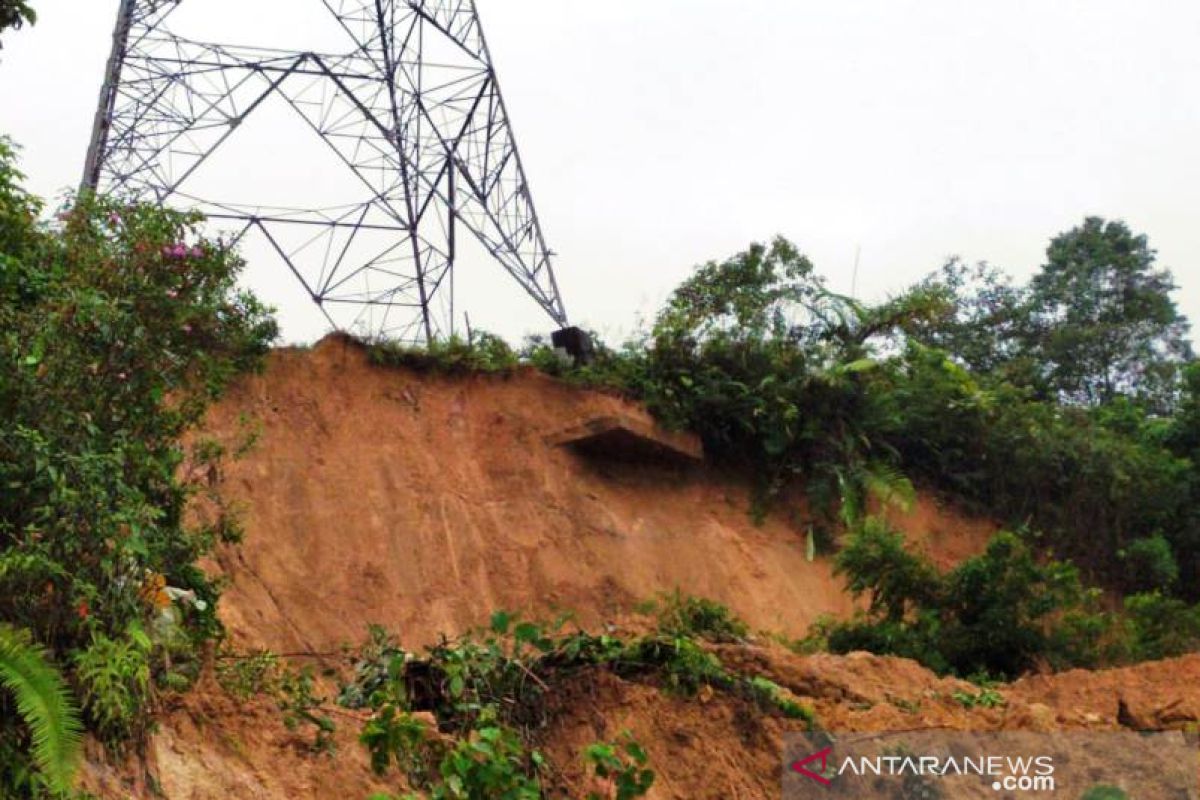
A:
(423, 503)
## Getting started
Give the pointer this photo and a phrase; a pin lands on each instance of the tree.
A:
(14, 14)
(44, 703)
(770, 368)
(1103, 321)
(987, 320)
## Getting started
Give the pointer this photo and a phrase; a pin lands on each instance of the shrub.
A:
(114, 676)
(624, 764)
(997, 613)
(1161, 627)
(697, 617)
(119, 325)
(483, 353)
(1149, 565)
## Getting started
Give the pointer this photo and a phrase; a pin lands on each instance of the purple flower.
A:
(197, 252)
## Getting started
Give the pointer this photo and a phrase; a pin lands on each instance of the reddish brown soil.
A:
(424, 503)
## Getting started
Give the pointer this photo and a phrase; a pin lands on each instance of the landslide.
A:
(424, 502)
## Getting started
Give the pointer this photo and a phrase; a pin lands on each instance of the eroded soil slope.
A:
(424, 503)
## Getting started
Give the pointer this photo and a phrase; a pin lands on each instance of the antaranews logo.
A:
(1008, 764)
(802, 766)
(1009, 773)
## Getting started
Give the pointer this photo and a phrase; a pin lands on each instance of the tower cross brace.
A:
(412, 110)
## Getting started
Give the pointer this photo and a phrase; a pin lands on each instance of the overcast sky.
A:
(658, 134)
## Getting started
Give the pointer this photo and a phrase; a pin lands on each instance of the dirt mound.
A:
(712, 747)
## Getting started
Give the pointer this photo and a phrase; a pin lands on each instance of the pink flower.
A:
(114, 219)
(171, 293)
(197, 252)
(180, 251)
(187, 328)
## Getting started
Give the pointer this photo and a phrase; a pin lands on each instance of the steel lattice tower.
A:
(412, 108)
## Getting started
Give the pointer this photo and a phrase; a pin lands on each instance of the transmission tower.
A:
(411, 108)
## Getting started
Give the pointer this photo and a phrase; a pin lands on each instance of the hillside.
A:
(423, 503)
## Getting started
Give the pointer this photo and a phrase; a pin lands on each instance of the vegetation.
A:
(1066, 408)
(14, 14)
(119, 325)
(45, 705)
(491, 694)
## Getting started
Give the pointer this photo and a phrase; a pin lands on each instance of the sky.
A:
(659, 134)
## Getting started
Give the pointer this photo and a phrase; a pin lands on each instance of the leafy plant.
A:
(698, 617)
(624, 764)
(45, 704)
(984, 698)
(114, 676)
(483, 353)
(119, 325)
(250, 675)
(300, 706)
(15, 13)
(997, 613)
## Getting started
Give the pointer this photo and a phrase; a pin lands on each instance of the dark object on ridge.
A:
(576, 342)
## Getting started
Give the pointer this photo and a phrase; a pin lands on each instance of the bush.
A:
(484, 353)
(1149, 565)
(697, 617)
(1161, 627)
(114, 677)
(119, 325)
(998, 613)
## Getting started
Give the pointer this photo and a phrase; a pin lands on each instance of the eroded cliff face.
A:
(424, 503)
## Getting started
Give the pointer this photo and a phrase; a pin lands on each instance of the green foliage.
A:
(624, 764)
(699, 618)
(396, 736)
(114, 679)
(1104, 321)
(489, 692)
(119, 325)
(250, 675)
(1089, 482)
(997, 613)
(985, 698)
(773, 371)
(45, 705)
(1160, 627)
(14, 14)
(484, 353)
(378, 674)
(1095, 324)
(1149, 564)
(302, 707)
(1104, 792)
(875, 560)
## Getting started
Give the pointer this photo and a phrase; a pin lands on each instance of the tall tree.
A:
(1103, 320)
(14, 14)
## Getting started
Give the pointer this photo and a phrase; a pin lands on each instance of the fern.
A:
(46, 705)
